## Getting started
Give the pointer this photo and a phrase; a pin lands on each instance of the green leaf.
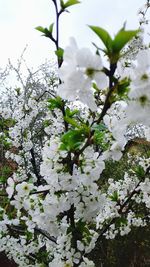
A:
(59, 52)
(99, 136)
(140, 171)
(71, 122)
(40, 29)
(51, 27)
(46, 32)
(122, 38)
(100, 140)
(114, 46)
(104, 36)
(55, 103)
(123, 87)
(99, 127)
(114, 196)
(46, 123)
(121, 221)
(95, 87)
(71, 113)
(72, 140)
(69, 117)
(68, 3)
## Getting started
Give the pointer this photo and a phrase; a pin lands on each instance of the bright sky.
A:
(18, 19)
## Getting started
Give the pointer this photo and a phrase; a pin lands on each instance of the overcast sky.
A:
(18, 19)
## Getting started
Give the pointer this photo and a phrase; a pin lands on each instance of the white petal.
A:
(10, 191)
(143, 59)
(10, 181)
(101, 80)
(86, 59)
(70, 51)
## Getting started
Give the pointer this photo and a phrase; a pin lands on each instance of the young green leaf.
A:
(55, 103)
(51, 27)
(71, 121)
(139, 171)
(71, 113)
(46, 32)
(104, 36)
(69, 117)
(40, 29)
(59, 52)
(123, 87)
(68, 3)
(122, 38)
(99, 127)
(114, 196)
(72, 140)
(114, 46)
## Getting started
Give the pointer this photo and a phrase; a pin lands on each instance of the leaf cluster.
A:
(113, 47)
(73, 139)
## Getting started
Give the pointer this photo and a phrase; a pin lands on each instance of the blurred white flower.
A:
(24, 189)
(140, 78)
(10, 187)
(79, 70)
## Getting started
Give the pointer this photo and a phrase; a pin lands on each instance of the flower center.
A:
(143, 99)
(26, 188)
(89, 72)
(144, 77)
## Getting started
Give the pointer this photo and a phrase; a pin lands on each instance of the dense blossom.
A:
(57, 139)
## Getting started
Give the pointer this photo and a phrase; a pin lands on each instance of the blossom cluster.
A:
(57, 138)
